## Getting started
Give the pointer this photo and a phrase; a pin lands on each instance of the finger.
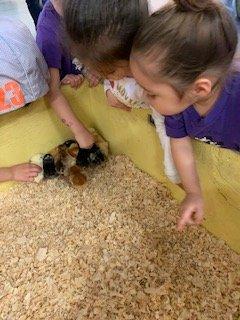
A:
(65, 81)
(125, 108)
(190, 222)
(26, 179)
(122, 106)
(32, 166)
(184, 220)
(75, 82)
(181, 225)
(35, 171)
(95, 83)
(33, 174)
(80, 81)
(71, 77)
(30, 179)
(69, 80)
(199, 217)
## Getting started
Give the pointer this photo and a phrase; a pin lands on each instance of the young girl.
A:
(23, 79)
(51, 40)
(115, 24)
(182, 58)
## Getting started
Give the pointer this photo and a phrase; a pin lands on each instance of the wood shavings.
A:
(41, 254)
(110, 250)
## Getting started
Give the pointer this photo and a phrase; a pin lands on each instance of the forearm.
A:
(5, 174)
(61, 106)
(184, 160)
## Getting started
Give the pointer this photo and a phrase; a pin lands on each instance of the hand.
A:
(92, 77)
(92, 156)
(114, 102)
(192, 211)
(85, 139)
(24, 172)
(73, 80)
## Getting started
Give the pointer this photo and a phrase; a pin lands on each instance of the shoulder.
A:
(232, 85)
(175, 126)
(16, 40)
(14, 29)
(48, 31)
(49, 20)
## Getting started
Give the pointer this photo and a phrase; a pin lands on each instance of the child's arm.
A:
(169, 166)
(111, 99)
(192, 207)
(114, 102)
(22, 172)
(65, 113)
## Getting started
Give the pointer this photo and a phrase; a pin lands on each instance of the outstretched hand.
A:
(24, 172)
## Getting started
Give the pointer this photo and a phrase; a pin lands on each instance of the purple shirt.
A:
(221, 126)
(52, 43)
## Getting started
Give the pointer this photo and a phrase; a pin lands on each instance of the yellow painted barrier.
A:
(36, 129)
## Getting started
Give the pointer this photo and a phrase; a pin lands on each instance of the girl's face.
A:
(160, 95)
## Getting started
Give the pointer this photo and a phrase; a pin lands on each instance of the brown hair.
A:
(187, 39)
(103, 31)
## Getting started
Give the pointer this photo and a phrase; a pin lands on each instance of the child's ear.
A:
(202, 88)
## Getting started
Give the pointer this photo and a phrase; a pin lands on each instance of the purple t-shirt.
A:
(220, 127)
(51, 42)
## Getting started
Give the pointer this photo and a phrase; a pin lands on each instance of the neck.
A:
(203, 107)
(57, 6)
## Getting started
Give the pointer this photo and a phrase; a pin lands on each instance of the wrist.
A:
(84, 138)
(195, 194)
(194, 189)
(79, 130)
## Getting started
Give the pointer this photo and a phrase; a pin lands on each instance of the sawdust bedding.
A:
(109, 250)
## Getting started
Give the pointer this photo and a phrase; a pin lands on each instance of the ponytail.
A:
(194, 5)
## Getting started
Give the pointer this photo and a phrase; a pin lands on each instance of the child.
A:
(115, 24)
(51, 40)
(182, 58)
(23, 79)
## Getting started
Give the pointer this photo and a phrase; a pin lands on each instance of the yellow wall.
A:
(36, 129)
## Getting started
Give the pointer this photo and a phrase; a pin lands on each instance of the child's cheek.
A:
(157, 103)
(164, 106)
